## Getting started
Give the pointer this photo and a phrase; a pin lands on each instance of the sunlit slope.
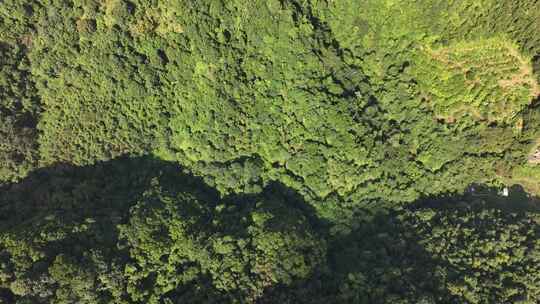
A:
(345, 100)
(487, 80)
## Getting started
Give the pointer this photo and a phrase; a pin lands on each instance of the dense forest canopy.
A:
(296, 151)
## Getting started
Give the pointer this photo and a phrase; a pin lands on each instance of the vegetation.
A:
(137, 231)
(18, 109)
(263, 151)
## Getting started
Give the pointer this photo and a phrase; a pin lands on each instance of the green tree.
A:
(185, 248)
(19, 107)
(462, 250)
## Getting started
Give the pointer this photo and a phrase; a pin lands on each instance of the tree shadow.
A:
(75, 211)
(105, 187)
(378, 262)
(65, 210)
(68, 210)
(516, 199)
(391, 258)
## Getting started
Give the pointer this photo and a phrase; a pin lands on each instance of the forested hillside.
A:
(266, 151)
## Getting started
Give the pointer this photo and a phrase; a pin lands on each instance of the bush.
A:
(185, 248)
(19, 107)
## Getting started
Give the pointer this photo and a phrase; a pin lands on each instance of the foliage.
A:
(489, 254)
(527, 176)
(57, 232)
(459, 252)
(146, 234)
(175, 240)
(188, 249)
(301, 117)
(324, 97)
(486, 80)
(17, 115)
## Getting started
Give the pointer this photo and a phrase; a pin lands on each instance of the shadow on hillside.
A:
(52, 200)
(516, 199)
(111, 188)
(385, 260)
(106, 187)
(380, 261)
(63, 197)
